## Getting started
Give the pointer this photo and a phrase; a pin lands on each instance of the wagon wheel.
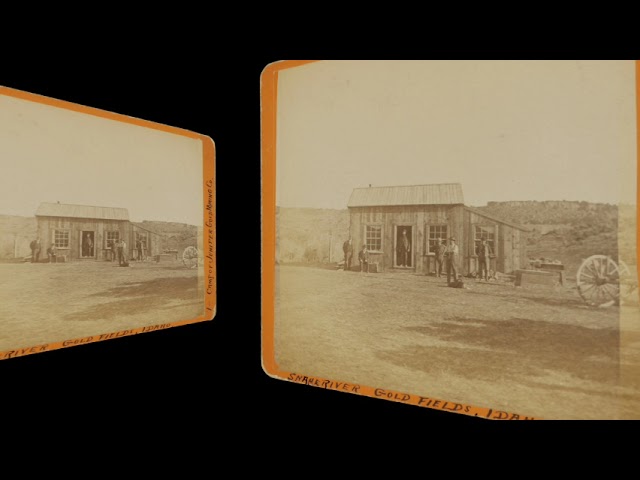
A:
(598, 281)
(628, 284)
(190, 257)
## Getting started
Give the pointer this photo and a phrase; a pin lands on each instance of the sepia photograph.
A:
(102, 223)
(460, 230)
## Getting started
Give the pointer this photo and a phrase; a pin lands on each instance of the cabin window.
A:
(487, 233)
(373, 237)
(142, 238)
(61, 238)
(112, 238)
(435, 232)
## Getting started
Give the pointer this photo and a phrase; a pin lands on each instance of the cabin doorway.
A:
(404, 246)
(87, 244)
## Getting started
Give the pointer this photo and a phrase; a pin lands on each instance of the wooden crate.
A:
(537, 277)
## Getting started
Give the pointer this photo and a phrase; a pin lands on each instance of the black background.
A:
(191, 376)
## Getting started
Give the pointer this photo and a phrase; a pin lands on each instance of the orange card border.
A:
(269, 101)
(209, 216)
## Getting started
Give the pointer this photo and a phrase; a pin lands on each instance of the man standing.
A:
(139, 250)
(35, 250)
(113, 245)
(347, 248)
(143, 250)
(404, 249)
(52, 252)
(452, 254)
(120, 250)
(124, 252)
(484, 252)
(87, 250)
(439, 251)
(363, 257)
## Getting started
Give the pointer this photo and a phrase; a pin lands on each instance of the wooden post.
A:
(15, 245)
(330, 245)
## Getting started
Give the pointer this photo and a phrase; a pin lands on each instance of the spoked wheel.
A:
(628, 283)
(190, 257)
(598, 281)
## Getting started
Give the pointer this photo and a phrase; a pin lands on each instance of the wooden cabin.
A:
(425, 213)
(82, 232)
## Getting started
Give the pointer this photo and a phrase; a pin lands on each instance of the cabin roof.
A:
(81, 211)
(137, 225)
(495, 219)
(434, 194)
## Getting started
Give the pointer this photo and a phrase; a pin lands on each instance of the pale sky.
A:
(50, 154)
(505, 130)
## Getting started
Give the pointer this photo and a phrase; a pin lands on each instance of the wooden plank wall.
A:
(509, 249)
(47, 226)
(510, 242)
(153, 241)
(524, 256)
(418, 217)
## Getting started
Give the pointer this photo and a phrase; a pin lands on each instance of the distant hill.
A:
(175, 236)
(310, 234)
(16, 234)
(571, 231)
(12, 224)
(560, 230)
(550, 212)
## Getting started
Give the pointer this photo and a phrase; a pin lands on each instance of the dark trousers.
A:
(403, 258)
(439, 265)
(483, 271)
(452, 267)
(364, 266)
(35, 256)
(347, 260)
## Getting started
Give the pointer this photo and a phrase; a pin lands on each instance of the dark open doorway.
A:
(404, 246)
(88, 244)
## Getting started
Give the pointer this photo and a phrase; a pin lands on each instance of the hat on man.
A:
(453, 239)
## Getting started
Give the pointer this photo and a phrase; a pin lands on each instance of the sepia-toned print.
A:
(462, 231)
(101, 225)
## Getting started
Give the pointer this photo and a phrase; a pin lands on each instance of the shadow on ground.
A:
(156, 289)
(518, 350)
(545, 297)
(562, 302)
(176, 268)
(137, 297)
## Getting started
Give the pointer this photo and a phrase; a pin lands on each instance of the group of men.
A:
(447, 257)
(119, 251)
(363, 256)
(36, 248)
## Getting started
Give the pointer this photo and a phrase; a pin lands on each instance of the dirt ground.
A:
(537, 350)
(43, 303)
